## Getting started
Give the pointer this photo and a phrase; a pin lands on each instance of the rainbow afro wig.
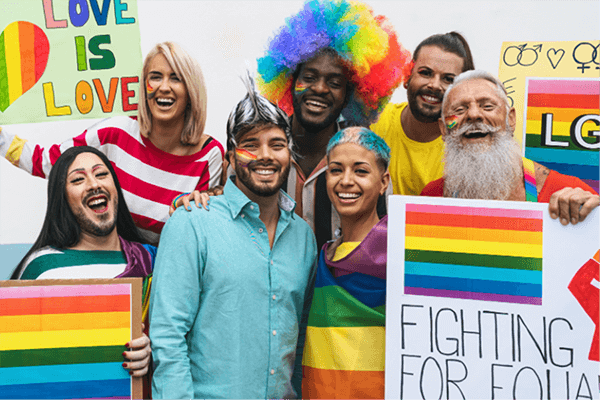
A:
(366, 44)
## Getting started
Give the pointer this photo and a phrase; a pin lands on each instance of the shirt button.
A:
(271, 262)
(260, 230)
(251, 207)
(274, 333)
(274, 297)
(243, 215)
(272, 372)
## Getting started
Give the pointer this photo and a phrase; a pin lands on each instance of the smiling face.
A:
(92, 195)
(166, 92)
(262, 162)
(319, 93)
(475, 111)
(433, 72)
(355, 180)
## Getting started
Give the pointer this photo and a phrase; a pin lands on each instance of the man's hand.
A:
(572, 205)
(199, 198)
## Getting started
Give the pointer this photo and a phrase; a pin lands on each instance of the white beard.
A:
(479, 170)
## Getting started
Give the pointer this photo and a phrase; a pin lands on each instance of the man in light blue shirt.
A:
(232, 285)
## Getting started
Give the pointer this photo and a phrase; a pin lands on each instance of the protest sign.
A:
(490, 300)
(555, 89)
(63, 59)
(65, 338)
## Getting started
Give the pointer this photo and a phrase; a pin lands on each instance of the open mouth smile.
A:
(476, 135)
(316, 105)
(348, 197)
(165, 103)
(429, 99)
(98, 204)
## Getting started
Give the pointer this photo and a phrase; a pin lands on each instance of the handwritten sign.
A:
(555, 88)
(65, 338)
(68, 59)
(490, 300)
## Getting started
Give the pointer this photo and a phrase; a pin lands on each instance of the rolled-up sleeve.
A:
(174, 304)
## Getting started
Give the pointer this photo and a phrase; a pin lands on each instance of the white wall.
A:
(223, 34)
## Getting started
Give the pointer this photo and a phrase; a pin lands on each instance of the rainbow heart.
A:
(24, 50)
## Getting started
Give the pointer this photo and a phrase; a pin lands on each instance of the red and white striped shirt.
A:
(150, 178)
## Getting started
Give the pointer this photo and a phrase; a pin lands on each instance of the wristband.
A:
(174, 204)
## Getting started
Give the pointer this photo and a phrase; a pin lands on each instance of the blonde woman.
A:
(158, 155)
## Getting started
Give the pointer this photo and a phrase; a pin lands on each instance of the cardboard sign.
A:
(65, 338)
(490, 300)
(63, 59)
(555, 89)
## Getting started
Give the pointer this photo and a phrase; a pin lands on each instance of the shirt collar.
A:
(238, 200)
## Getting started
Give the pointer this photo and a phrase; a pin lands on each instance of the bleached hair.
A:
(476, 74)
(254, 111)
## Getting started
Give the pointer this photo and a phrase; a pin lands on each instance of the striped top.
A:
(150, 178)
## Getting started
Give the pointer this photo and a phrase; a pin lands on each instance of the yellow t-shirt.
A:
(413, 164)
(344, 249)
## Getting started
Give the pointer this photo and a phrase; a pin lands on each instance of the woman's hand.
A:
(200, 198)
(139, 355)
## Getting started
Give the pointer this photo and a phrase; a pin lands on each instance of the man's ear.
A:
(229, 157)
(442, 126)
(512, 120)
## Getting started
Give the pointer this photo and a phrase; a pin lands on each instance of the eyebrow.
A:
(355, 164)
(82, 170)
(330, 74)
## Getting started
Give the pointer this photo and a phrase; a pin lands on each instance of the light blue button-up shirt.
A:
(225, 308)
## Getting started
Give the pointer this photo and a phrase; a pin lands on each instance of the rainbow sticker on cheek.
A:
(149, 90)
(244, 157)
(300, 88)
(451, 121)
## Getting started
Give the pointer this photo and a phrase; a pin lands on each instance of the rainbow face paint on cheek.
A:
(244, 157)
(300, 88)
(149, 90)
(451, 121)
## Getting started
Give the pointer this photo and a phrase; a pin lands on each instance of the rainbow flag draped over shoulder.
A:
(344, 354)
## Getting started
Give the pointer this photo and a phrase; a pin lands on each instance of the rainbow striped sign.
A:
(473, 253)
(64, 341)
(561, 126)
(24, 50)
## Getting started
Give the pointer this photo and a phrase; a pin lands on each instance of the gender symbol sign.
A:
(490, 300)
(68, 59)
(555, 88)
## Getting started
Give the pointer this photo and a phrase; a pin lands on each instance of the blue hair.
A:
(364, 138)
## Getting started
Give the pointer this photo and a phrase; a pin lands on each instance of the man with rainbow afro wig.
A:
(332, 58)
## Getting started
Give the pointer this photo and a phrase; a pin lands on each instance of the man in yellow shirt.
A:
(412, 132)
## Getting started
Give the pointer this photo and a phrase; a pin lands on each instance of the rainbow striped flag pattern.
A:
(473, 253)
(567, 100)
(24, 50)
(64, 341)
(344, 353)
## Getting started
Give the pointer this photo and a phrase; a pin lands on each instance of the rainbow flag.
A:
(567, 101)
(473, 253)
(24, 50)
(345, 337)
(64, 341)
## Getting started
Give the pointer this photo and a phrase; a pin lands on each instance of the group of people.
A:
(242, 304)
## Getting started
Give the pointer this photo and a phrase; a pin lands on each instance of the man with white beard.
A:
(483, 161)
